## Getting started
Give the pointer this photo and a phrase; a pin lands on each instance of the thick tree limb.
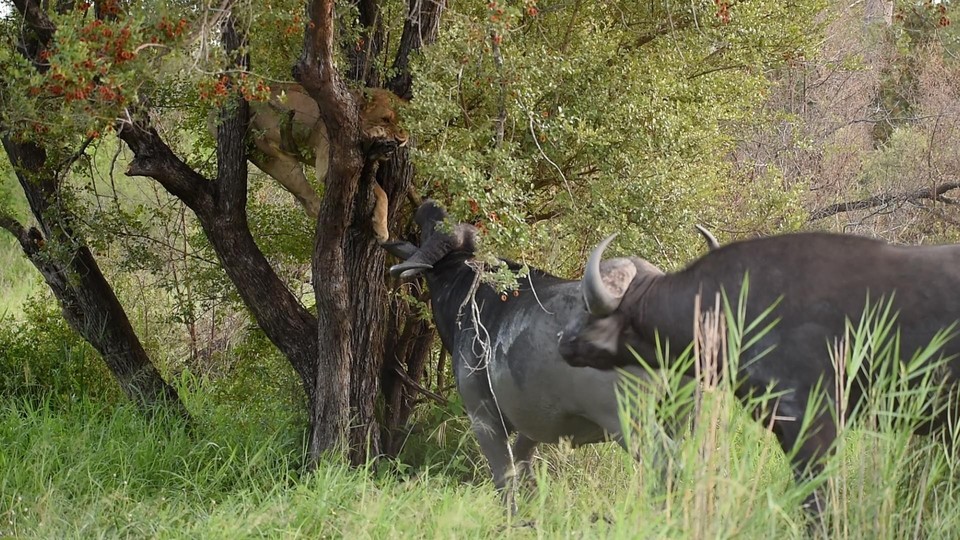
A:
(234, 123)
(36, 19)
(154, 159)
(931, 193)
(420, 28)
(12, 225)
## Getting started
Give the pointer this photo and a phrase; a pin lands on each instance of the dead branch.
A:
(934, 193)
(407, 380)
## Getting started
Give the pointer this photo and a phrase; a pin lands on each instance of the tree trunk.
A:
(410, 338)
(330, 414)
(347, 262)
(406, 351)
(85, 297)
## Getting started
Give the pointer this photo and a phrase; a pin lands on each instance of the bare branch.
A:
(931, 193)
(407, 380)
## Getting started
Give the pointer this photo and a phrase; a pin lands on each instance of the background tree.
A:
(41, 162)
(864, 126)
(112, 38)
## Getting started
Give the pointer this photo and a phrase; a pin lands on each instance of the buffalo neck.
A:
(451, 280)
(667, 300)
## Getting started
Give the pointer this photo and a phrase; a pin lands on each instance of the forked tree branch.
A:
(12, 225)
(406, 379)
(154, 159)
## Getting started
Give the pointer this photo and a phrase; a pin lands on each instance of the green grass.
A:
(81, 469)
(93, 471)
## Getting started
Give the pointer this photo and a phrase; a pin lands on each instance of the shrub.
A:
(42, 358)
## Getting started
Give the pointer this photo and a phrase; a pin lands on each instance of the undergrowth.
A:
(86, 467)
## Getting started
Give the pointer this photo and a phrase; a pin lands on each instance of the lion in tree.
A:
(288, 133)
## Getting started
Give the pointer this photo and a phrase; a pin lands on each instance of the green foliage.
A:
(43, 359)
(261, 383)
(610, 119)
(902, 155)
(283, 230)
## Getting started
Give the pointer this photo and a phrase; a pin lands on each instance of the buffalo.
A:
(504, 350)
(813, 282)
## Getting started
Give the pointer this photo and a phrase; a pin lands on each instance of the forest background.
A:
(145, 265)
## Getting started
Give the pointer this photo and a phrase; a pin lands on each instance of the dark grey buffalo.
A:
(819, 279)
(504, 349)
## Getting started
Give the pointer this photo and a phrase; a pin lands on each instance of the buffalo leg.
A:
(523, 450)
(808, 449)
(494, 444)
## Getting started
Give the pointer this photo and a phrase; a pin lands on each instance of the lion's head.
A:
(379, 122)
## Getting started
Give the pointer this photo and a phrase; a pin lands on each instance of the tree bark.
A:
(420, 28)
(365, 259)
(85, 296)
(220, 207)
(330, 415)
(407, 353)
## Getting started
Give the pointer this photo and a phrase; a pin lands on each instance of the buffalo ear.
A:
(400, 249)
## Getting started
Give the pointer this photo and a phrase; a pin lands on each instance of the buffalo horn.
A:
(407, 268)
(712, 243)
(598, 299)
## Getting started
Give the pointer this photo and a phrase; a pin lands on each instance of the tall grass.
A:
(732, 479)
(82, 470)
